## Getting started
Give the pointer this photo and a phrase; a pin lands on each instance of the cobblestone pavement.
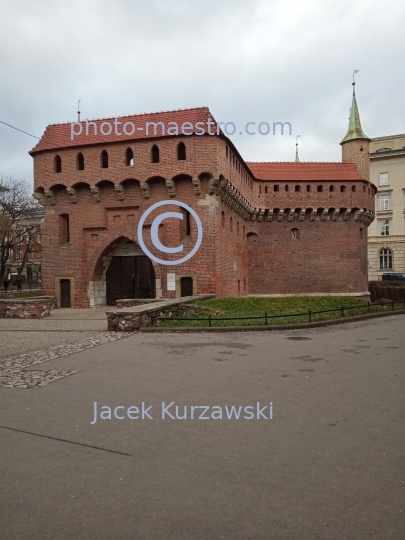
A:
(28, 342)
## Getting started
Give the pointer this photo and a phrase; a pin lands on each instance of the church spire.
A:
(354, 131)
(297, 159)
(356, 145)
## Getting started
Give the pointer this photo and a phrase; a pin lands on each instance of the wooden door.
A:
(186, 286)
(65, 293)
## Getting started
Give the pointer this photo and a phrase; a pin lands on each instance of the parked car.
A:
(393, 277)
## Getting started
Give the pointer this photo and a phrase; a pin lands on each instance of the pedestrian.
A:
(5, 283)
(18, 283)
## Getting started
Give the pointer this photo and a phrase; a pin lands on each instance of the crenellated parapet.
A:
(232, 198)
(315, 214)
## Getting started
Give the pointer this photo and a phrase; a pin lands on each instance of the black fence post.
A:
(209, 320)
(343, 312)
(265, 319)
(309, 315)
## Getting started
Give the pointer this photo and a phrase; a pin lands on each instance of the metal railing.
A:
(308, 315)
(25, 288)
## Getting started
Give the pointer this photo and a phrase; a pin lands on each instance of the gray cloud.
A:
(256, 61)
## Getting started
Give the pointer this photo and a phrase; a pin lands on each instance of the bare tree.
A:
(20, 219)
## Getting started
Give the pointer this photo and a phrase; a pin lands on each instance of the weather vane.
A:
(354, 71)
(296, 149)
(78, 110)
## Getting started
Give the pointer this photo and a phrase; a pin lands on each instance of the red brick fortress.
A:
(269, 228)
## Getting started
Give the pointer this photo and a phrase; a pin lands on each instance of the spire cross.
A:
(354, 82)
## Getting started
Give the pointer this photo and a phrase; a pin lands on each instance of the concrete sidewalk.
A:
(329, 465)
(18, 336)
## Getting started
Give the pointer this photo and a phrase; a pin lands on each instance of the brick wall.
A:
(241, 253)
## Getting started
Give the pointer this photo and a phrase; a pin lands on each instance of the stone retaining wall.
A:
(26, 308)
(133, 318)
(131, 302)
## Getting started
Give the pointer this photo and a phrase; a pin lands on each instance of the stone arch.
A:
(56, 192)
(170, 185)
(186, 180)
(80, 183)
(100, 259)
(128, 180)
(205, 175)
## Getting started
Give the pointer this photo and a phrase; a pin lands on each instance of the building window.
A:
(364, 189)
(385, 259)
(223, 219)
(231, 223)
(265, 189)
(297, 188)
(320, 189)
(384, 179)
(226, 149)
(80, 162)
(155, 154)
(276, 187)
(295, 233)
(129, 157)
(64, 232)
(260, 190)
(384, 202)
(342, 189)
(181, 151)
(353, 188)
(58, 164)
(188, 223)
(308, 188)
(361, 232)
(286, 187)
(104, 160)
(384, 227)
(237, 228)
(331, 188)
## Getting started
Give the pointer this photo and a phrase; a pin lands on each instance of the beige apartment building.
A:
(386, 235)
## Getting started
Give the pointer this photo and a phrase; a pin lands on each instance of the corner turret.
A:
(355, 145)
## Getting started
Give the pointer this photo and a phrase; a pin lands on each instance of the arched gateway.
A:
(123, 271)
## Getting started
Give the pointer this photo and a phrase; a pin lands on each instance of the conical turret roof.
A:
(354, 131)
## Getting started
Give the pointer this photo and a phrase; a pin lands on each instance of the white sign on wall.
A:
(171, 282)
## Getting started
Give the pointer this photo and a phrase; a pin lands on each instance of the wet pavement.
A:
(329, 464)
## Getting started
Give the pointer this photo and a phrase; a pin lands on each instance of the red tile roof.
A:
(59, 135)
(307, 171)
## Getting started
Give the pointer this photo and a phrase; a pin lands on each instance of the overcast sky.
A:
(247, 60)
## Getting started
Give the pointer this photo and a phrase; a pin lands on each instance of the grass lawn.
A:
(24, 294)
(258, 306)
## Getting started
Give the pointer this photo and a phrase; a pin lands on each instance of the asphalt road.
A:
(328, 465)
